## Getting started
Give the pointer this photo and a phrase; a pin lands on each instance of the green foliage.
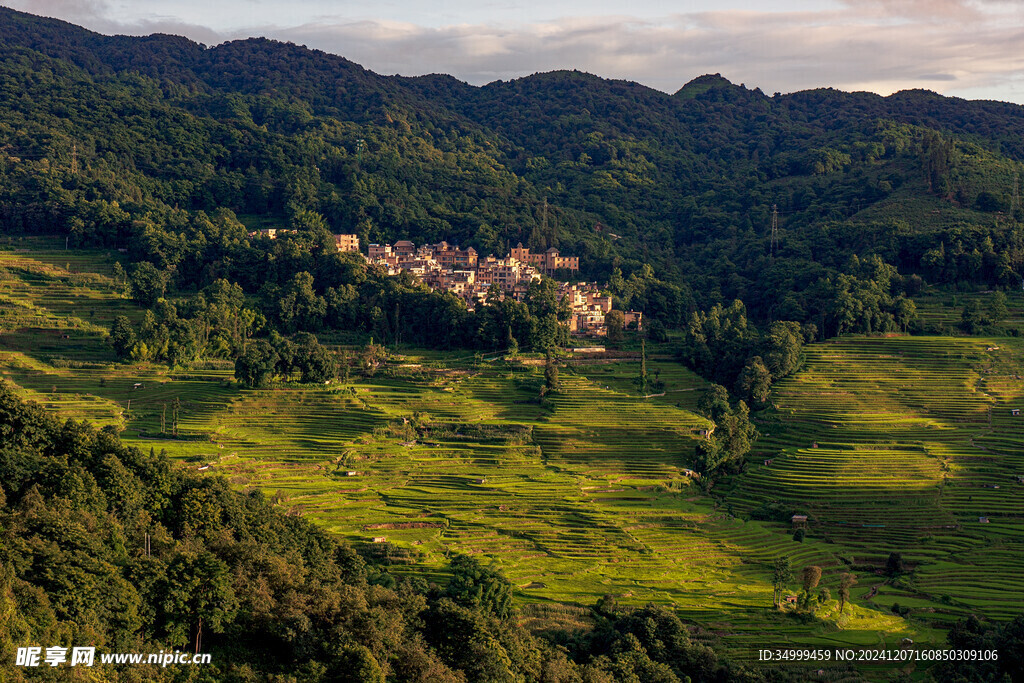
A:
(147, 283)
(846, 582)
(256, 365)
(894, 564)
(755, 381)
(475, 585)
(782, 574)
(550, 372)
(733, 434)
(105, 544)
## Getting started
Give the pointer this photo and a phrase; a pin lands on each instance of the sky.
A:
(965, 48)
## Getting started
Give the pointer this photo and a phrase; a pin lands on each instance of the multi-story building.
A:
(347, 242)
(548, 262)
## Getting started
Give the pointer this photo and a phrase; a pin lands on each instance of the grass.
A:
(888, 444)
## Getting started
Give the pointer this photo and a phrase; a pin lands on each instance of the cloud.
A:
(965, 47)
(849, 48)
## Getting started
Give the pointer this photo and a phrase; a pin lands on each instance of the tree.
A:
(846, 582)
(474, 585)
(511, 343)
(782, 574)
(121, 278)
(198, 594)
(997, 307)
(148, 283)
(550, 372)
(782, 349)
(641, 380)
(811, 577)
(714, 402)
(314, 361)
(615, 324)
(256, 365)
(122, 336)
(755, 381)
(655, 330)
(972, 319)
(894, 564)
(905, 313)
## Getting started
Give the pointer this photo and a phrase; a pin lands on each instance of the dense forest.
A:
(102, 544)
(173, 151)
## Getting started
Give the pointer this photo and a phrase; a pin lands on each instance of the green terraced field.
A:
(902, 444)
(888, 444)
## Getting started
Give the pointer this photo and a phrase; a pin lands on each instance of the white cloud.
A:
(964, 47)
(848, 49)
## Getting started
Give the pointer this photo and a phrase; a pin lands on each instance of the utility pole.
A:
(775, 230)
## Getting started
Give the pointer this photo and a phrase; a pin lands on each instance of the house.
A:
(633, 320)
(790, 599)
(380, 251)
(982, 520)
(799, 519)
(1015, 412)
(768, 462)
(137, 385)
(380, 539)
(347, 242)
(549, 261)
(351, 473)
(480, 481)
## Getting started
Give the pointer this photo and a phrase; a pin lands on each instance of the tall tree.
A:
(782, 574)
(846, 582)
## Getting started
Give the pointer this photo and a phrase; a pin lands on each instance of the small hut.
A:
(799, 520)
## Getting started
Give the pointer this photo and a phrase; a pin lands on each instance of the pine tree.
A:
(550, 373)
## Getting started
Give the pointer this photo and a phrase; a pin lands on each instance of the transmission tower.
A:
(775, 230)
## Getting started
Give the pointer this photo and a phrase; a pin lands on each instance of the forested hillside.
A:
(136, 292)
(124, 141)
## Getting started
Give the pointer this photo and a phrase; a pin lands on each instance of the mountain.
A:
(618, 173)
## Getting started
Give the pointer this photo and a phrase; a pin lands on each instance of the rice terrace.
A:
(911, 445)
(464, 364)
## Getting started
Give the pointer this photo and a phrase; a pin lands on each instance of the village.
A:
(446, 267)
